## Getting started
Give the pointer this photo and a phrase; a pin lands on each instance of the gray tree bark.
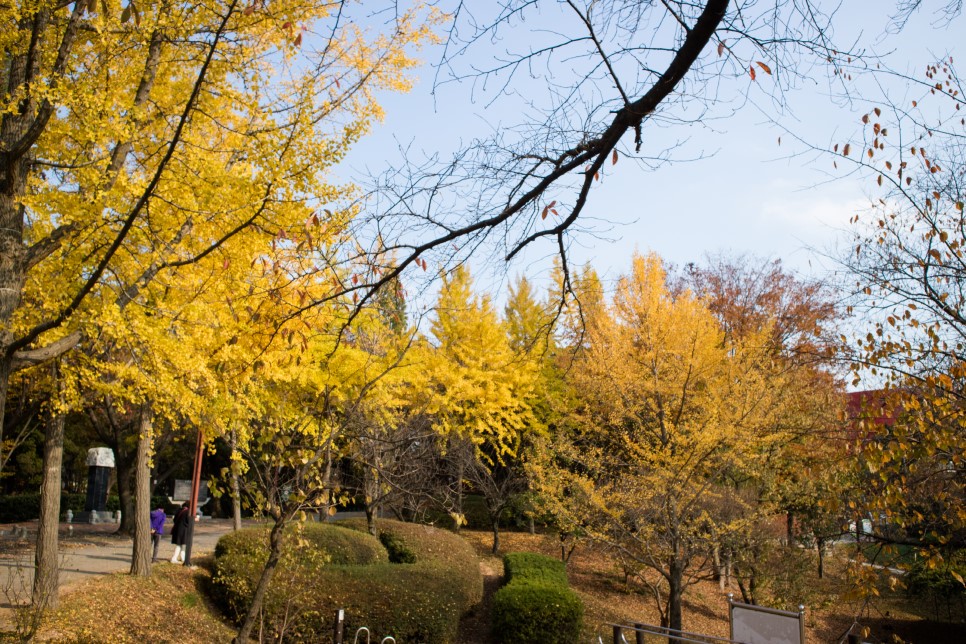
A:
(46, 573)
(235, 487)
(5, 365)
(141, 555)
(124, 467)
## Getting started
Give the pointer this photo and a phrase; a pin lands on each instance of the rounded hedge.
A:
(337, 544)
(333, 568)
(536, 605)
(537, 613)
(530, 566)
(240, 558)
(396, 548)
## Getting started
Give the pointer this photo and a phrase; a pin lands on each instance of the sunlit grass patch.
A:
(167, 606)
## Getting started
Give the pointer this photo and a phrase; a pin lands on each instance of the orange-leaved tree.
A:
(906, 256)
(667, 411)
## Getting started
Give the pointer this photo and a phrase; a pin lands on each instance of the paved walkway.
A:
(91, 551)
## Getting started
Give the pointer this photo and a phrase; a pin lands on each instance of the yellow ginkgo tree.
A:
(665, 411)
(479, 393)
(297, 411)
(130, 129)
(154, 150)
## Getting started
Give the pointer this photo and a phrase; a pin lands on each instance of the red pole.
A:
(193, 502)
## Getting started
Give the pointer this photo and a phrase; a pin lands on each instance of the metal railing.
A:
(650, 634)
(388, 639)
(338, 634)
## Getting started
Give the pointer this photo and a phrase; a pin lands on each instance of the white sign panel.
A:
(757, 625)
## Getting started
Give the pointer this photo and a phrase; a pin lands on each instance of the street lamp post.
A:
(193, 503)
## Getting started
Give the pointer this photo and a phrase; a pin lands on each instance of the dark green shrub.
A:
(530, 566)
(527, 612)
(19, 507)
(68, 501)
(26, 507)
(240, 557)
(340, 546)
(420, 602)
(536, 604)
(515, 517)
(416, 604)
(396, 548)
(428, 543)
(937, 586)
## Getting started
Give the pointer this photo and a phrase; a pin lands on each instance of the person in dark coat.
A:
(157, 529)
(179, 533)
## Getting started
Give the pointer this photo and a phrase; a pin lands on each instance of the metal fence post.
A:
(617, 635)
(339, 626)
(639, 633)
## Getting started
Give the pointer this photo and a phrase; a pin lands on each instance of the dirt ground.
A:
(179, 592)
(831, 611)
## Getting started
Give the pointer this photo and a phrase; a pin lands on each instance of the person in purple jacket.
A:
(157, 529)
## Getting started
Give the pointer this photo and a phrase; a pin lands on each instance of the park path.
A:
(104, 553)
(474, 627)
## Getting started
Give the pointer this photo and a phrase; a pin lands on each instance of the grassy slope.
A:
(168, 606)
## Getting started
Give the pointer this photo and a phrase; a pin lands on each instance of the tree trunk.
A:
(674, 596)
(327, 484)
(790, 528)
(13, 250)
(371, 488)
(745, 597)
(718, 574)
(460, 517)
(46, 573)
(143, 546)
(258, 598)
(5, 365)
(495, 523)
(235, 502)
(124, 492)
(235, 485)
(371, 519)
(821, 557)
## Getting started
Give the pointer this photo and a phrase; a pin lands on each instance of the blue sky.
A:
(747, 193)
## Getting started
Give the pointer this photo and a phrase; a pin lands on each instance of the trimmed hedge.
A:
(536, 605)
(396, 548)
(530, 566)
(26, 507)
(240, 557)
(416, 602)
(336, 544)
(427, 543)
